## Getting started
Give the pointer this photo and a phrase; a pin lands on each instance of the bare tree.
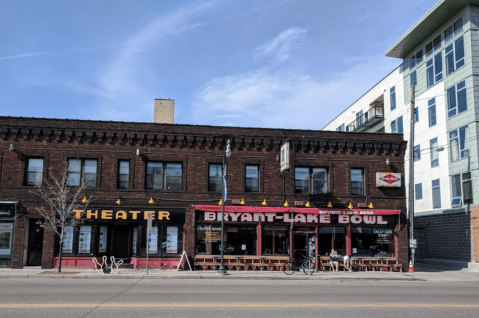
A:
(62, 204)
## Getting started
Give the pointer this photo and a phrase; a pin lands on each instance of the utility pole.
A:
(411, 174)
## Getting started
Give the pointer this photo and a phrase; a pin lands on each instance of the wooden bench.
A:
(241, 261)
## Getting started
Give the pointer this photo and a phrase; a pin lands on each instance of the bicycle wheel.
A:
(288, 268)
(308, 268)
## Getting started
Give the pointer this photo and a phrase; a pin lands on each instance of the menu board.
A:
(6, 231)
(67, 240)
(85, 240)
(135, 239)
(153, 240)
(103, 239)
(384, 236)
(171, 239)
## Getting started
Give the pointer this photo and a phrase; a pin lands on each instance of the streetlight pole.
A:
(226, 153)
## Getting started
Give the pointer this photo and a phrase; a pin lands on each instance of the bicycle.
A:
(307, 266)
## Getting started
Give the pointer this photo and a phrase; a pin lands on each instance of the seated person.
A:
(333, 262)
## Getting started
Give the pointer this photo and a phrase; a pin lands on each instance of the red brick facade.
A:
(57, 140)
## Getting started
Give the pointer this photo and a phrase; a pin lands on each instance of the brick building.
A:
(336, 197)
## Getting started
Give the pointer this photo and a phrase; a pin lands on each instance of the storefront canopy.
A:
(257, 209)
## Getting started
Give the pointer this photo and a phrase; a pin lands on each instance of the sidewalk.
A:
(88, 273)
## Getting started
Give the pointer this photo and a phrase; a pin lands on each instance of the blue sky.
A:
(250, 63)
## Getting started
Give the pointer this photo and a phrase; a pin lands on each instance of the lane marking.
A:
(239, 305)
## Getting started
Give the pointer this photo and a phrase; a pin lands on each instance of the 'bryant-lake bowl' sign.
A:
(299, 218)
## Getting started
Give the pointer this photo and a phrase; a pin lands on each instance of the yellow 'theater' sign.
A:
(99, 214)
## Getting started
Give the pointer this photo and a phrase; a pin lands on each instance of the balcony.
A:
(373, 116)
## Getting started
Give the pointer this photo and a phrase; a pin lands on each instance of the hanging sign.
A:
(284, 157)
(388, 179)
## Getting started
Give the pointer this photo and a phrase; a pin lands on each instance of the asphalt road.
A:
(69, 297)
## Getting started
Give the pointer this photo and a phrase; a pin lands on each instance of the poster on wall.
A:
(153, 240)
(171, 239)
(135, 239)
(85, 240)
(68, 240)
(6, 234)
(103, 239)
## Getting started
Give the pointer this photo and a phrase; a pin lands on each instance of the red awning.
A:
(262, 209)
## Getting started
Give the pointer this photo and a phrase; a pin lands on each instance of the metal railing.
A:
(374, 115)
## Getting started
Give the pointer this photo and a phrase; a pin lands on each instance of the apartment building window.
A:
(434, 153)
(359, 118)
(82, 171)
(357, 181)
(397, 126)
(456, 99)
(436, 194)
(453, 30)
(392, 95)
(252, 178)
(415, 59)
(461, 189)
(459, 143)
(431, 111)
(433, 46)
(340, 128)
(214, 177)
(123, 174)
(417, 153)
(418, 191)
(163, 175)
(454, 55)
(34, 175)
(413, 78)
(434, 69)
(310, 180)
(416, 115)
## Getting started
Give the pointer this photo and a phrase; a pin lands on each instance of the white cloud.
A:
(285, 99)
(279, 47)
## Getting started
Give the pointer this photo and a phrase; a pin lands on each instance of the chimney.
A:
(164, 112)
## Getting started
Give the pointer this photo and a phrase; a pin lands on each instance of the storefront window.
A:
(275, 240)
(239, 239)
(208, 238)
(6, 231)
(332, 237)
(164, 240)
(372, 241)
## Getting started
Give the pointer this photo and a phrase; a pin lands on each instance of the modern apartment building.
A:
(440, 58)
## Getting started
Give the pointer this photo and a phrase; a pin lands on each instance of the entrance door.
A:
(301, 245)
(35, 243)
(120, 239)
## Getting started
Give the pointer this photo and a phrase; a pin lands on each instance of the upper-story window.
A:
(436, 194)
(417, 153)
(415, 59)
(434, 69)
(418, 191)
(340, 128)
(453, 30)
(413, 78)
(433, 46)
(82, 171)
(357, 181)
(123, 174)
(461, 186)
(34, 171)
(459, 143)
(392, 95)
(214, 177)
(163, 175)
(252, 178)
(311, 180)
(431, 111)
(397, 126)
(456, 99)
(434, 153)
(416, 114)
(454, 55)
